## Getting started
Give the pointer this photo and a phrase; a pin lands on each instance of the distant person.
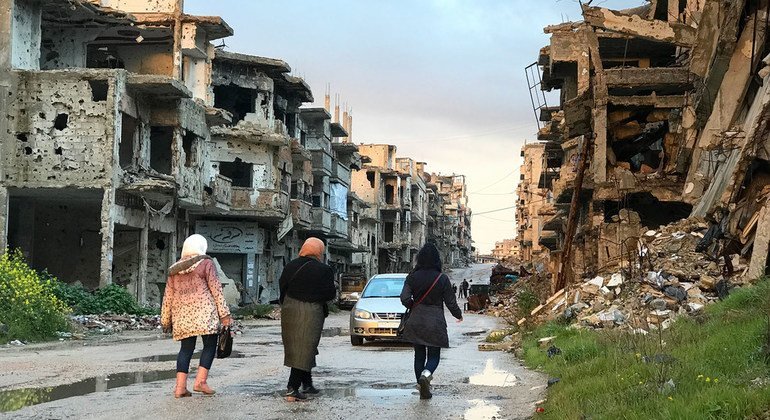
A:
(306, 285)
(193, 305)
(454, 289)
(426, 291)
(458, 290)
(465, 286)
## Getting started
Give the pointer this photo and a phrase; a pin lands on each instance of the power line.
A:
(493, 211)
(498, 220)
(508, 193)
(494, 183)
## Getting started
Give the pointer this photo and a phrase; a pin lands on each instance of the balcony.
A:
(266, 204)
(339, 227)
(322, 162)
(251, 130)
(219, 194)
(399, 240)
(322, 220)
(301, 214)
(340, 173)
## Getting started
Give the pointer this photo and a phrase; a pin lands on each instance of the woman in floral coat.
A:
(194, 305)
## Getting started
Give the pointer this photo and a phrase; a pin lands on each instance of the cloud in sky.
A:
(443, 80)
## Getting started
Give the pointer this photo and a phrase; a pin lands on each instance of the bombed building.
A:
(126, 130)
(659, 115)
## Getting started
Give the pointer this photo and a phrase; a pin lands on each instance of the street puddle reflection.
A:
(170, 357)
(493, 377)
(482, 410)
(367, 392)
(17, 399)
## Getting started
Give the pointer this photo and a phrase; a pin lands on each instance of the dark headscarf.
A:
(428, 258)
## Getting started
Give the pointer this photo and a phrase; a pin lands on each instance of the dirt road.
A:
(130, 376)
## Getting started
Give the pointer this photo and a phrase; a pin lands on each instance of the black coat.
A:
(427, 325)
(306, 285)
(308, 280)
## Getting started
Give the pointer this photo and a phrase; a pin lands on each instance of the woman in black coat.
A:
(306, 285)
(426, 291)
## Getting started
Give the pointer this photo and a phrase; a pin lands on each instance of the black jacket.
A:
(308, 280)
(426, 325)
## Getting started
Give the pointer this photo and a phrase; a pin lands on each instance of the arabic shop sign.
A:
(232, 237)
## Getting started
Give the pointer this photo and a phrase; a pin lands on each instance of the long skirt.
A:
(301, 327)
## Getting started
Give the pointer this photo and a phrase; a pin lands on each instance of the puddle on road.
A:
(482, 410)
(170, 357)
(493, 377)
(372, 391)
(17, 399)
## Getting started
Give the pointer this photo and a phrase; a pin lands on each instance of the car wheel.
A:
(356, 340)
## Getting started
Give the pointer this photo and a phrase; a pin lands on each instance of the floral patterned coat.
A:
(193, 303)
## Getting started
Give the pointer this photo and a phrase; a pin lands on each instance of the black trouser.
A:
(299, 377)
(188, 348)
(425, 357)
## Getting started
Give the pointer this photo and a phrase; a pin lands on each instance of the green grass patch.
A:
(29, 307)
(711, 360)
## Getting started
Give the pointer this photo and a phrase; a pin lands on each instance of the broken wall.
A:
(61, 135)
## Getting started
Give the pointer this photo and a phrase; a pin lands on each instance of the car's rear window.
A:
(384, 287)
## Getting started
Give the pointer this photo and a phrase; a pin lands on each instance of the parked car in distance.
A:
(379, 310)
(351, 285)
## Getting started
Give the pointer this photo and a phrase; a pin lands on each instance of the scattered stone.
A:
(553, 351)
(546, 341)
(615, 281)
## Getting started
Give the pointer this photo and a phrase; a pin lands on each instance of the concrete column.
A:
(4, 210)
(108, 235)
(599, 160)
(141, 281)
(251, 280)
(758, 261)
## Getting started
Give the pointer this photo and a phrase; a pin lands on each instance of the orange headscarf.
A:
(313, 247)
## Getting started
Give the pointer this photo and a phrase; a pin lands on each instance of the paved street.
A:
(374, 381)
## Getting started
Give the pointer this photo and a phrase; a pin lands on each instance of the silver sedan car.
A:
(378, 311)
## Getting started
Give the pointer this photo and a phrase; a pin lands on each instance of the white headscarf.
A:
(194, 245)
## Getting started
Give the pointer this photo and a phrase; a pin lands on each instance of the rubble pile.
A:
(110, 323)
(668, 278)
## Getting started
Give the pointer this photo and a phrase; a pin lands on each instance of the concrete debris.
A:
(109, 324)
(670, 209)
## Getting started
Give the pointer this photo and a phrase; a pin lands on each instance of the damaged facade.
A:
(123, 136)
(404, 207)
(126, 130)
(661, 116)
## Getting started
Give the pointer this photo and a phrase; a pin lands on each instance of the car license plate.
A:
(393, 324)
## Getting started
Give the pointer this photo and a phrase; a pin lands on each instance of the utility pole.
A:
(565, 273)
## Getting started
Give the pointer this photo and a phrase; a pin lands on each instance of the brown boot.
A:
(180, 391)
(200, 382)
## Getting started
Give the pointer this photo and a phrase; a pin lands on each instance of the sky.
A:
(443, 80)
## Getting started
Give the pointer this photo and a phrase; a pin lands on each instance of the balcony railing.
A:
(341, 173)
(220, 194)
(300, 213)
(322, 162)
(263, 203)
(339, 226)
(322, 219)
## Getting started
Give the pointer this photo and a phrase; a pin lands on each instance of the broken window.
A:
(99, 89)
(638, 139)
(190, 147)
(236, 100)
(370, 178)
(127, 147)
(388, 232)
(240, 172)
(651, 212)
(103, 57)
(390, 194)
(161, 139)
(303, 138)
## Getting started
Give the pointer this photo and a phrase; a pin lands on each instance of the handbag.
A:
(224, 343)
(405, 316)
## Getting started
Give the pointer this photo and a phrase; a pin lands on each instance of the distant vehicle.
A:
(379, 310)
(351, 287)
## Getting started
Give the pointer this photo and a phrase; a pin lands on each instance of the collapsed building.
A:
(660, 116)
(405, 207)
(126, 130)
